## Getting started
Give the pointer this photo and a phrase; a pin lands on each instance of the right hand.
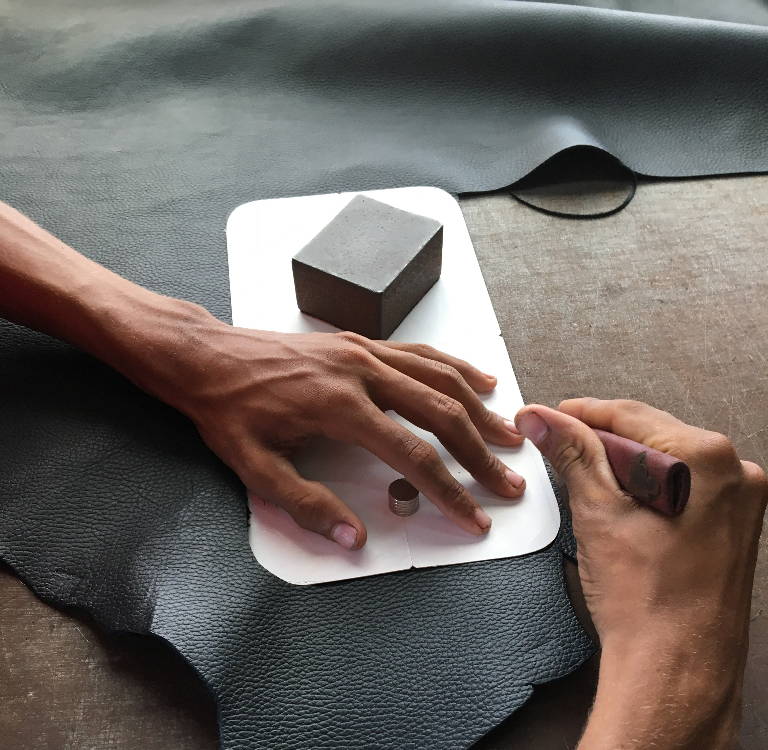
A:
(658, 588)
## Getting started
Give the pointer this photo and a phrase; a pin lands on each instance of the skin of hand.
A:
(670, 597)
(255, 395)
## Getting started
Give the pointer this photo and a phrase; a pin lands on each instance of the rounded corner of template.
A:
(546, 536)
(290, 581)
(549, 538)
(234, 216)
(544, 540)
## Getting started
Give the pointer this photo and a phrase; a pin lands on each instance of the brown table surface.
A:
(665, 302)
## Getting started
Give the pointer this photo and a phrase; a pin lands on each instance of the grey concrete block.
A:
(366, 270)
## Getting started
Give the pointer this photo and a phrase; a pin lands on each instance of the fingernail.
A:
(514, 479)
(482, 519)
(532, 426)
(344, 535)
(488, 375)
(511, 426)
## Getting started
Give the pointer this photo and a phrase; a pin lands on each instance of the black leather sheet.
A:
(131, 130)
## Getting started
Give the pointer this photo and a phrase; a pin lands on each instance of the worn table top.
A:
(664, 302)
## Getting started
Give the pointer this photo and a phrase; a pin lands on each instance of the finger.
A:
(705, 451)
(448, 420)
(311, 504)
(477, 380)
(448, 379)
(756, 479)
(420, 464)
(574, 451)
(631, 419)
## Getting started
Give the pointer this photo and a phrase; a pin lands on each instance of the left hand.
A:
(256, 395)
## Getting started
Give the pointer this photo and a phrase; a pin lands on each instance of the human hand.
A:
(257, 395)
(670, 598)
(254, 395)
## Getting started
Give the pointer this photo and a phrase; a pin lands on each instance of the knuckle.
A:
(345, 399)
(630, 406)
(306, 508)
(451, 410)
(352, 338)
(486, 417)
(448, 373)
(570, 455)
(300, 500)
(424, 350)
(421, 453)
(755, 478)
(718, 449)
(353, 355)
(490, 463)
(455, 494)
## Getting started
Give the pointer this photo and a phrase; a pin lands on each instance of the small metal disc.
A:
(403, 498)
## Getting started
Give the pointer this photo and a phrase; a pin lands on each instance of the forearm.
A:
(656, 695)
(48, 286)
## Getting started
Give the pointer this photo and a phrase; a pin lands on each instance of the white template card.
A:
(456, 316)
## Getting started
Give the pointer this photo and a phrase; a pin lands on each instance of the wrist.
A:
(147, 337)
(46, 285)
(665, 689)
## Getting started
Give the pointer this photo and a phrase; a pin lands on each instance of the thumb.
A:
(573, 449)
(311, 504)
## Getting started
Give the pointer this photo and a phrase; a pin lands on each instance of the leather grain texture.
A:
(131, 130)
